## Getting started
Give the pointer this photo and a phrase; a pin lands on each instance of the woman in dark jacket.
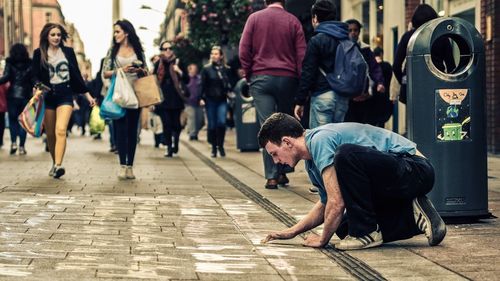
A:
(443, 57)
(214, 88)
(55, 65)
(170, 78)
(18, 72)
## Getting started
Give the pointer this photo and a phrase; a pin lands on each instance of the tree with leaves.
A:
(218, 22)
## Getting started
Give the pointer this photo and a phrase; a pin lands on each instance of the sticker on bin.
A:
(453, 114)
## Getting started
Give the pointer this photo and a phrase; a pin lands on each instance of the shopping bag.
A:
(109, 109)
(31, 118)
(148, 91)
(96, 123)
(124, 94)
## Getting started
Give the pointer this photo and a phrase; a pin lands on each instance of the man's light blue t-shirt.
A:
(322, 143)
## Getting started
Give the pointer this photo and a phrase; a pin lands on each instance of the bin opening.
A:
(451, 54)
(245, 91)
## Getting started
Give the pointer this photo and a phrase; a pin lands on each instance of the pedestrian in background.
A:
(380, 105)
(271, 50)
(125, 51)
(359, 109)
(442, 57)
(18, 72)
(194, 111)
(55, 64)
(214, 89)
(326, 105)
(3, 105)
(170, 77)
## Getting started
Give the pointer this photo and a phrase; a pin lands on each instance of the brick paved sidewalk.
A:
(180, 220)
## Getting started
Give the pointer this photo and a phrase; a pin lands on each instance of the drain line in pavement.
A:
(352, 265)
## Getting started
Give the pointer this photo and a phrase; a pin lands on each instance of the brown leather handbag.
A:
(148, 91)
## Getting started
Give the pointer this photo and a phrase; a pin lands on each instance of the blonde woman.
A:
(214, 88)
(125, 53)
(56, 66)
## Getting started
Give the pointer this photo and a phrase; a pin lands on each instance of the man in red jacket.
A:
(271, 50)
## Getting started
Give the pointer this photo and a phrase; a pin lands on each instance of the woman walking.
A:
(18, 71)
(170, 75)
(55, 65)
(126, 53)
(215, 86)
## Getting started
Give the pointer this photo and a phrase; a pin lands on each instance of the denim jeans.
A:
(273, 94)
(216, 114)
(327, 107)
(195, 120)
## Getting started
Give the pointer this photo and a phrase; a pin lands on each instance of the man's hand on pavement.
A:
(313, 240)
(280, 235)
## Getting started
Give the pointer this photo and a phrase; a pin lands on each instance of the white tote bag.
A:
(124, 94)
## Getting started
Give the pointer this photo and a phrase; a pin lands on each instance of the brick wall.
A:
(492, 50)
(411, 5)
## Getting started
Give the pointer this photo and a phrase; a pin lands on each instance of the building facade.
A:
(29, 16)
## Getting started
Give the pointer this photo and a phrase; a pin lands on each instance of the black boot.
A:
(169, 152)
(213, 154)
(221, 133)
(175, 148)
(157, 140)
(211, 136)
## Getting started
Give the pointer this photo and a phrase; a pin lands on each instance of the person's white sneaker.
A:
(52, 170)
(373, 239)
(122, 174)
(428, 220)
(129, 173)
(313, 190)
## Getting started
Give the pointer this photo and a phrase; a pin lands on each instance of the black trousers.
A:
(2, 126)
(126, 130)
(171, 121)
(378, 189)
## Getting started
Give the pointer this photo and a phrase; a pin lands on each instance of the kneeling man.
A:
(377, 177)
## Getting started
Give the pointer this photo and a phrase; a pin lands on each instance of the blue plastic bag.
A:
(109, 109)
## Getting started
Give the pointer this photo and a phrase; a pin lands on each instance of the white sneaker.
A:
(122, 174)
(52, 170)
(428, 220)
(59, 171)
(313, 190)
(129, 173)
(373, 239)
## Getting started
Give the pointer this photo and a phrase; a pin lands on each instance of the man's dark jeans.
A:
(378, 188)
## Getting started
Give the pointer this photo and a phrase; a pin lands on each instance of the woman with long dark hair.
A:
(125, 51)
(169, 75)
(215, 86)
(18, 72)
(55, 65)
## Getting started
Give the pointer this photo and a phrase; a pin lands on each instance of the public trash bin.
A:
(245, 117)
(446, 113)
